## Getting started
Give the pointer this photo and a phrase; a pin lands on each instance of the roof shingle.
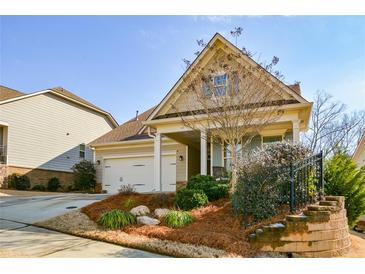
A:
(8, 93)
(127, 131)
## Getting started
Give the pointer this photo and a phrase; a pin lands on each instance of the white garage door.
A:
(138, 172)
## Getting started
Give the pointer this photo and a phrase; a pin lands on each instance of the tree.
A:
(331, 128)
(84, 176)
(344, 178)
(233, 99)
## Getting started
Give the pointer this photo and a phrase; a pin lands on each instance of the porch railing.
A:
(2, 154)
(306, 181)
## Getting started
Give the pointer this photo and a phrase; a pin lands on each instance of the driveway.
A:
(18, 238)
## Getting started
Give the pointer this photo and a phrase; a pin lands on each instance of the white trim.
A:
(211, 156)
(169, 153)
(187, 163)
(40, 168)
(111, 118)
(4, 123)
(131, 142)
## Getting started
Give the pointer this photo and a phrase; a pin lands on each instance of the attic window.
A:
(220, 84)
(82, 151)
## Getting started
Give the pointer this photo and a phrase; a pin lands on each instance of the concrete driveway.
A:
(18, 238)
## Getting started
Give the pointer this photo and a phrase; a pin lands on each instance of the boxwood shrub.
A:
(187, 199)
(19, 182)
(39, 188)
(209, 186)
(53, 184)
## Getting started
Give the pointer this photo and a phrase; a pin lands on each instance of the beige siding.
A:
(147, 149)
(45, 131)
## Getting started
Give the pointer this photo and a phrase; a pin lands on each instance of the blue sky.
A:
(128, 63)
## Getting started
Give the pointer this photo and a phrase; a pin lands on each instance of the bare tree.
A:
(331, 128)
(230, 99)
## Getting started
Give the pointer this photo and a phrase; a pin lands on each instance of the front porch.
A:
(207, 157)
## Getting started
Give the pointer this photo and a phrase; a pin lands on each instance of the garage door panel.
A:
(138, 172)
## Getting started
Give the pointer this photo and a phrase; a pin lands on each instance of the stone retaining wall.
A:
(321, 231)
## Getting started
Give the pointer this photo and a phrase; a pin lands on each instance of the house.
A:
(43, 134)
(155, 151)
(359, 154)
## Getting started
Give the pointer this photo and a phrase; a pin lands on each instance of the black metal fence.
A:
(306, 181)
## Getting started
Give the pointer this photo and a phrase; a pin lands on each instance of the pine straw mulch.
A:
(215, 225)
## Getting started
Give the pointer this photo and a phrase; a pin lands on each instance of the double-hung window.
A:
(82, 149)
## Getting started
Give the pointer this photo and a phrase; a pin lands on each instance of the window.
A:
(82, 151)
(272, 139)
(228, 155)
(220, 85)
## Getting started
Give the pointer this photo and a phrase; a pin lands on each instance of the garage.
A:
(138, 171)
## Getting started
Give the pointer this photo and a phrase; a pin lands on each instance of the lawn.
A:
(215, 225)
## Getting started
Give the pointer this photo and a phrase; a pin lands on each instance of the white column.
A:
(157, 162)
(203, 153)
(211, 156)
(296, 130)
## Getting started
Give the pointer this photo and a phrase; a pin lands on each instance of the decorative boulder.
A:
(161, 212)
(145, 220)
(140, 210)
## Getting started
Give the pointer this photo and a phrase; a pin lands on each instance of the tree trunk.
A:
(234, 168)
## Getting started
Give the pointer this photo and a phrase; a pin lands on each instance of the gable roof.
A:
(125, 132)
(293, 90)
(360, 148)
(11, 95)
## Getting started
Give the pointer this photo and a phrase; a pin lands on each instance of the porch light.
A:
(181, 158)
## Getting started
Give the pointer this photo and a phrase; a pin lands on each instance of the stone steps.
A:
(321, 231)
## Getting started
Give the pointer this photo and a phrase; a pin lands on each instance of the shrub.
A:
(178, 218)
(263, 180)
(116, 219)
(53, 184)
(19, 182)
(84, 176)
(127, 189)
(129, 203)
(209, 186)
(39, 188)
(187, 199)
(344, 178)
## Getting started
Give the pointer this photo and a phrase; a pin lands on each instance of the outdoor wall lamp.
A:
(181, 158)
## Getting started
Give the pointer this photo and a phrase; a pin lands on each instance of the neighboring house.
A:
(359, 154)
(43, 134)
(156, 152)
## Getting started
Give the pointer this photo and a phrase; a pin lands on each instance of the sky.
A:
(128, 63)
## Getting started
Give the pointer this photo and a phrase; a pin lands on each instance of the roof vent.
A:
(136, 115)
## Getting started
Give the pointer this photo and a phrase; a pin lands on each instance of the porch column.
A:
(203, 152)
(157, 162)
(296, 131)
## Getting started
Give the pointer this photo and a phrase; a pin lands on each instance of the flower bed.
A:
(214, 226)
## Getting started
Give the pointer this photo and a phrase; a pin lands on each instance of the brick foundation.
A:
(41, 176)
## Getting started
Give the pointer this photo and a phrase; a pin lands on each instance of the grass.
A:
(178, 218)
(116, 219)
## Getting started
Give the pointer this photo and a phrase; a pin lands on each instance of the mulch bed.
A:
(215, 225)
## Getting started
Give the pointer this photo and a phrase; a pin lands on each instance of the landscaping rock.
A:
(140, 210)
(161, 212)
(145, 220)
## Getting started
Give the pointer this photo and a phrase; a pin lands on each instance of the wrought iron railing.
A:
(2, 154)
(306, 181)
